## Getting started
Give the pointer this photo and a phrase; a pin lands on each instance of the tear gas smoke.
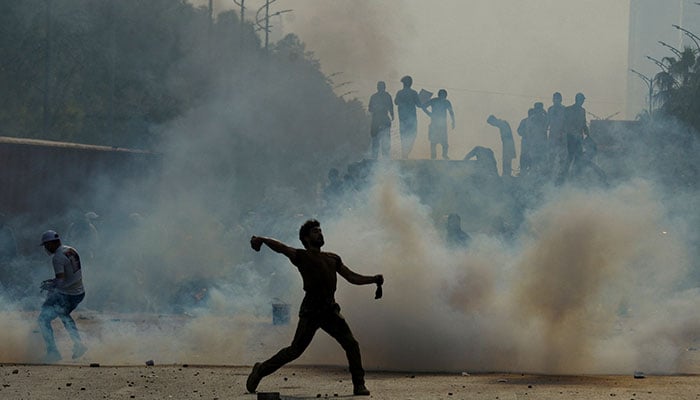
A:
(580, 291)
(587, 284)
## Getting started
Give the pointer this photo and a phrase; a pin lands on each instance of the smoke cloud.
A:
(581, 290)
(592, 281)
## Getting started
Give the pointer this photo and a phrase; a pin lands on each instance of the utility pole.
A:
(673, 49)
(267, 23)
(210, 32)
(47, 71)
(658, 64)
(266, 27)
(112, 69)
(650, 83)
(241, 4)
(691, 35)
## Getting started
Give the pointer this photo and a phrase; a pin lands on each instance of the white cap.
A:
(48, 236)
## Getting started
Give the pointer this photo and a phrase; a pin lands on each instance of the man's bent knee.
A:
(350, 344)
(47, 315)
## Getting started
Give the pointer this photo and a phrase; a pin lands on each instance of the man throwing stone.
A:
(318, 309)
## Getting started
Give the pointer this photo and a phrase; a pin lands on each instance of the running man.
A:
(65, 292)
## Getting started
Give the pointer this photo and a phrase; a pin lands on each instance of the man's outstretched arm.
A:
(275, 245)
(357, 279)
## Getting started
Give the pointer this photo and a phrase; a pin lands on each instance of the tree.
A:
(677, 88)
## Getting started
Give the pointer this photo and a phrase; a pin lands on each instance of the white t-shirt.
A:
(66, 261)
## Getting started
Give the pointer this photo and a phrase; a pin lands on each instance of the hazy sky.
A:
(493, 56)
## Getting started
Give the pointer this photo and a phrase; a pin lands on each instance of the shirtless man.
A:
(318, 309)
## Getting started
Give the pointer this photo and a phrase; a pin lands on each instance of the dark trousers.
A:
(381, 139)
(59, 305)
(408, 130)
(574, 152)
(507, 167)
(332, 323)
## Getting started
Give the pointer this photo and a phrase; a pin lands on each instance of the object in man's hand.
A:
(378, 293)
(424, 96)
(256, 243)
(47, 285)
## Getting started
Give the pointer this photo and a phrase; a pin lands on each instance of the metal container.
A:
(280, 313)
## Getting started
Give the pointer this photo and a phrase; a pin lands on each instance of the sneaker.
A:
(360, 390)
(52, 356)
(78, 350)
(254, 378)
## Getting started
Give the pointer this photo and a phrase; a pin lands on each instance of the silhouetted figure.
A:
(357, 175)
(318, 309)
(485, 160)
(502, 229)
(382, 109)
(83, 234)
(455, 235)
(437, 132)
(575, 127)
(508, 149)
(406, 101)
(537, 138)
(557, 138)
(525, 150)
(589, 149)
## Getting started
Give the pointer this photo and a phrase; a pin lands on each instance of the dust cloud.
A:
(592, 284)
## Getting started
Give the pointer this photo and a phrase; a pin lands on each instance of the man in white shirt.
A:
(65, 292)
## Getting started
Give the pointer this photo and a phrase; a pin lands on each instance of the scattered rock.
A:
(529, 386)
(268, 396)
(94, 365)
(68, 384)
(150, 363)
(465, 374)
(502, 380)
(15, 371)
(639, 375)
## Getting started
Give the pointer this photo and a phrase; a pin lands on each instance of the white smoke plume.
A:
(591, 285)
(594, 281)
